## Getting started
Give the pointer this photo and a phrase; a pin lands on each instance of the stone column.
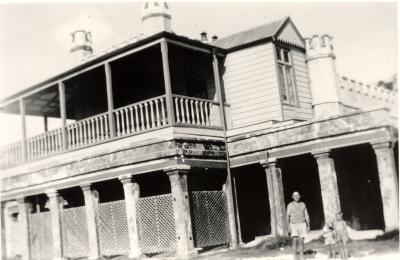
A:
(183, 225)
(91, 201)
(9, 228)
(227, 188)
(132, 194)
(388, 184)
(3, 230)
(56, 206)
(23, 211)
(279, 198)
(328, 182)
(271, 198)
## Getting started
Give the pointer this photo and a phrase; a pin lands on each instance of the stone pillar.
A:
(56, 206)
(227, 188)
(9, 228)
(328, 182)
(183, 225)
(388, 184)
(274, 173)
(271, 198)
(91, 200)
(23, 211)
(132, 194)
(3, 230)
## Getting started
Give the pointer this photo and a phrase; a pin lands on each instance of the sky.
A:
(35, 37)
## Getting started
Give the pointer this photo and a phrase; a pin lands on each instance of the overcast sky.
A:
(35, 38)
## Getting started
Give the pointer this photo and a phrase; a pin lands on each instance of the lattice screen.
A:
(112, 226)
(75, 233)
(40, 237)
(210, 218)
(156, 224)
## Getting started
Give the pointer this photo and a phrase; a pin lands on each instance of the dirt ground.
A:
(384, 247)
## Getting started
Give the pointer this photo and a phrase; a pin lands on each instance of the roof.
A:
(229, 43)
(114, 51)
(263, 32)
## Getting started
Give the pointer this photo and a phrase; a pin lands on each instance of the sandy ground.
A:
(363, 246)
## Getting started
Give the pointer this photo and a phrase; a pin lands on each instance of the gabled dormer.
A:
(266, 77)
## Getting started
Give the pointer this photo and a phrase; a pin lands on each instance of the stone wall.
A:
(361, 96)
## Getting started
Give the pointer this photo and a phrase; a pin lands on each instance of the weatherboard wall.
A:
(251, 86)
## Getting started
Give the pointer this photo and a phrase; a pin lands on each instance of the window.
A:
(285, 74)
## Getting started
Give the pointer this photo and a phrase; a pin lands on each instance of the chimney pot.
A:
(203, 36)
(81, 45)
(156, 17)
(214, 38)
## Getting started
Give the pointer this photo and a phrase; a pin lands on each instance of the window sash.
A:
(286, 79)
(282, 82)
(290, 85)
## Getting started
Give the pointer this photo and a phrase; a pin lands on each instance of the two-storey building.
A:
(170, 145)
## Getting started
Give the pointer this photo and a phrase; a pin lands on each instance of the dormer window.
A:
(285, 74)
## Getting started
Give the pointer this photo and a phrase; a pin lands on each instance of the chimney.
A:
(156, 18)
(323, 76)
(203, 37)
(81, 45)
(214, 38)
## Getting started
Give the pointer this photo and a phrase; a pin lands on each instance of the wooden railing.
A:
(135, 118)
(142, 116)
(44, 144)
(91, 130)
(196, 111)
(11, 155)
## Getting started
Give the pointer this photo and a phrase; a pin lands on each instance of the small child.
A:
(342, 236)
(328, 233)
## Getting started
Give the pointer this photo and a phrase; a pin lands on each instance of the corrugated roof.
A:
(249, 36)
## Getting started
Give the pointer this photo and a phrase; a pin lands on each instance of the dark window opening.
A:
(197, 88)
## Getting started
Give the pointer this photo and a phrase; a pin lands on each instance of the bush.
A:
(276, 242)
(388, 236)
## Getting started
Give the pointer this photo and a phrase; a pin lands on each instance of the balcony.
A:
(129, 120)
(100, 104)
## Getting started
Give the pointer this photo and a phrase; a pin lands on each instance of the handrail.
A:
(86, 119)
(196, 98)
(137, 103)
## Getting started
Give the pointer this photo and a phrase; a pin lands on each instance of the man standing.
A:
(298, 223)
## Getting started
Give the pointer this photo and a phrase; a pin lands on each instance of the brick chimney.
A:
(81, 45)
(323, 76)
(156, 18)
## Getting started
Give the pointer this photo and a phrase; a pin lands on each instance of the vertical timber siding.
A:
(303, 111)
(251, 86)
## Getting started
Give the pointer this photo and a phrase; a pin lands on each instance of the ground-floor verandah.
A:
(179, 209)
(355, 173)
